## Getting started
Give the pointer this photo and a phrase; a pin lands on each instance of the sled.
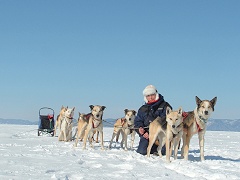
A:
(46, 121)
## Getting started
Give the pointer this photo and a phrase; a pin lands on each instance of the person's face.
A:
(151, 98)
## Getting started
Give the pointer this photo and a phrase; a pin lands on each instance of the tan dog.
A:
(59, 119)
(174, 131)
(83, 120)
(196, 123)
(166, 130)
(66, 126)
(125, 127)
(157, 131)
(94, 124)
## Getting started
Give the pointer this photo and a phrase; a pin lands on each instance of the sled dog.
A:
(59, 119)
(195, 123)
(157, 131)
(166, 130)
(66, 126)
(125, 127)
(94, 124)
(174, 131)
(83, 120)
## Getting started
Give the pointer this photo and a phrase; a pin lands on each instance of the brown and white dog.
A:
(94, 124)
(174, 131)
(66, 126)
(125, 127)
(196, 123)
(59, 119)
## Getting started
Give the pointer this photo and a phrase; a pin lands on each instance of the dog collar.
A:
(174, 134)
(69, 123)
(95, 119)
(202, 119)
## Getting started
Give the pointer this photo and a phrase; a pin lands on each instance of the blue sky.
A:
(78, 53)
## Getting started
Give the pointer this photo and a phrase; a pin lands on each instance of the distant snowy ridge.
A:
(17, 121)
(223, 125)
(213, 124)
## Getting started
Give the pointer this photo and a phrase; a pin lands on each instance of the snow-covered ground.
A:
(24, 155)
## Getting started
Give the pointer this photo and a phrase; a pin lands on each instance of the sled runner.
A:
(46, 121)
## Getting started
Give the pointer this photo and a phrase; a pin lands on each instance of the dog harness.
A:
(203, 120)
(88, 116)
(123, 121)
(198, 127)
(97, 125)
(185, 114)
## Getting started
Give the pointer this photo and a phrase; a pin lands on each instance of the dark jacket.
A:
(148, 112)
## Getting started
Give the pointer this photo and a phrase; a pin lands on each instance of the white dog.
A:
(66, 126)
(59, 119)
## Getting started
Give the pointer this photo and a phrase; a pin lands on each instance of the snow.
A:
(24, 155)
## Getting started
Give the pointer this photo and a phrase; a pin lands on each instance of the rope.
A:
(125, 128)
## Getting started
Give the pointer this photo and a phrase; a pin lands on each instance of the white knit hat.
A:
(149, 90)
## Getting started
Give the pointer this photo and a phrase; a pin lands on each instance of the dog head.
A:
(69, 113)
(82, 117)
(205, 107)
(97, 111)
(130, 116)
(174, 118)
(63, 110)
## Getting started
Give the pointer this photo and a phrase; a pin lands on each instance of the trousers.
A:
(143, 144)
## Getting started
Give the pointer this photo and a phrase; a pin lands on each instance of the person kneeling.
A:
(154, 106)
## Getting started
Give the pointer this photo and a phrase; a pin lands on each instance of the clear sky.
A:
(77, 53)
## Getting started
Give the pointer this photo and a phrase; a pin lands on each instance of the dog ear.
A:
(125, 110)
(91, 107)
(134, 112)
(168, 110)
(198, 101)
(213, 101)
(103, 107)
(180, 111)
